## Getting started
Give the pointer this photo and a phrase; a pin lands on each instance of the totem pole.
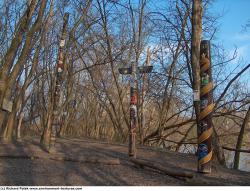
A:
(59, 80)
(205, 129)
(133, 111)
(133, 71)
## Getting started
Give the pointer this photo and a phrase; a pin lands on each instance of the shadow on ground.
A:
(28, 172)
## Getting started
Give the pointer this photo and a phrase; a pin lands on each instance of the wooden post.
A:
(133, 112)
(243, 128)
(59, 79)
(133, 71)
(205, 128)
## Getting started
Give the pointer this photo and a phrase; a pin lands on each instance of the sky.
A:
(235, 15)
(231, 34)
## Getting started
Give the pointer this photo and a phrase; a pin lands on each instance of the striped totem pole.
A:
(59, 80)
(205, 129)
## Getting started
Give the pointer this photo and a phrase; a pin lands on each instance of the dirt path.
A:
(49, 172)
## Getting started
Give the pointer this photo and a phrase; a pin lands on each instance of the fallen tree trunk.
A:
(238, 150)
(64, 158)
(88, 160)
(170, 172)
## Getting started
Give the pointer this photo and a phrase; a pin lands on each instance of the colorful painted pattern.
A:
(206, 107)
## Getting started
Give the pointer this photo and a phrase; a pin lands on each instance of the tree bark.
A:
(59, 80)
(18, 135)
(240, 139)
(8, 129)
(217, 148)
(10, 77)
(10, 55)
(195, 50)
(195, 47)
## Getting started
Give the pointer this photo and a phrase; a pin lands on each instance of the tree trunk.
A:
(9, 77)
(7, 133)
(217, 148)
(195, 54)
(45, 138)
(18, 134)
(55, 118)
(195, 50)
(240, 139)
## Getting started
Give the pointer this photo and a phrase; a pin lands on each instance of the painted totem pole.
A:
(133, 112)
(59, 80)
(205, 129)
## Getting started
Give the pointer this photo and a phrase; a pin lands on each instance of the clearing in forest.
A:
(25, 163)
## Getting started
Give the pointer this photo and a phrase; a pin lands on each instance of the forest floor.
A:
(43, 171)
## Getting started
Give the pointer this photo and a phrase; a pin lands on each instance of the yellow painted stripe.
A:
(204, 60)
(207, 88)
(206, 111)
(205, 67)
(205, 135)
(206, 158)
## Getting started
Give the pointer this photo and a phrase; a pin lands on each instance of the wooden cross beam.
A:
(140, 69)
